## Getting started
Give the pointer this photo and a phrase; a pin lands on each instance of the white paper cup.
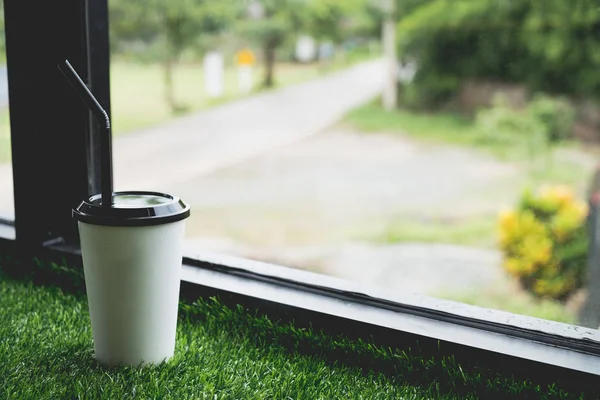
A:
(132, 256)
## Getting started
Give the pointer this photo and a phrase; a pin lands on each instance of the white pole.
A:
(213, 74)
(389, 95)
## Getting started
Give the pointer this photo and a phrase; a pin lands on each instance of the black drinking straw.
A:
(88, 98)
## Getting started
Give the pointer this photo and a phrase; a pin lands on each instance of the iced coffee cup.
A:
(132, 254)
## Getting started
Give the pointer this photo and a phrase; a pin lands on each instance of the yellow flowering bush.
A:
(545, 243)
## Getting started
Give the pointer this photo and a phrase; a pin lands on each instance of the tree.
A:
(271, 23)
(333, 19)
(367, 22)
(549, 45)
(174, 25)
(565, 37)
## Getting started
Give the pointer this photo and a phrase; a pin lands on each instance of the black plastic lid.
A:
(132, 209)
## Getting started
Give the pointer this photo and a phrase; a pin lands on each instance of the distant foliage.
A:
(545, 241)
(173, 26)
(550, 46)
(506, 125)
(545, 120)
(555, 114)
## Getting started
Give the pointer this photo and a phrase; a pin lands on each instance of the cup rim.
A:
(91, 211)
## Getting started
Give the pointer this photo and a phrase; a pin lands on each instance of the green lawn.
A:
(46, 353)
(440, 127)
(477, 231)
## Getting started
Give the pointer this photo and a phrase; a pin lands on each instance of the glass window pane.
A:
(421, 150)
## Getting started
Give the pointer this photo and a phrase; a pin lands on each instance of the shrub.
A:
(544, 241)
(555, 114)
(545, 120)
(504, 124)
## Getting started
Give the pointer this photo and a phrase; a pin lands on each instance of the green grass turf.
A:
(478, 231)
(443, 127)
(46, 353)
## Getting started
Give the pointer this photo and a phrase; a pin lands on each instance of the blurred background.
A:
(442, 147)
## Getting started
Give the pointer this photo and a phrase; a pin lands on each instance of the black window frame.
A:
(55, 165)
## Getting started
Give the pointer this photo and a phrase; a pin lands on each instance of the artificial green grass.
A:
(46, 353)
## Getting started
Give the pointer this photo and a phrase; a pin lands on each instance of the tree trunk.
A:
(169, 95)
(269, 52)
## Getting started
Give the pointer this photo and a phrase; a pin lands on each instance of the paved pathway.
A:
(332, 186)
(315, 204)
(203, 142)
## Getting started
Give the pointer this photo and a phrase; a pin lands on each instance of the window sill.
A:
(534, 339)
